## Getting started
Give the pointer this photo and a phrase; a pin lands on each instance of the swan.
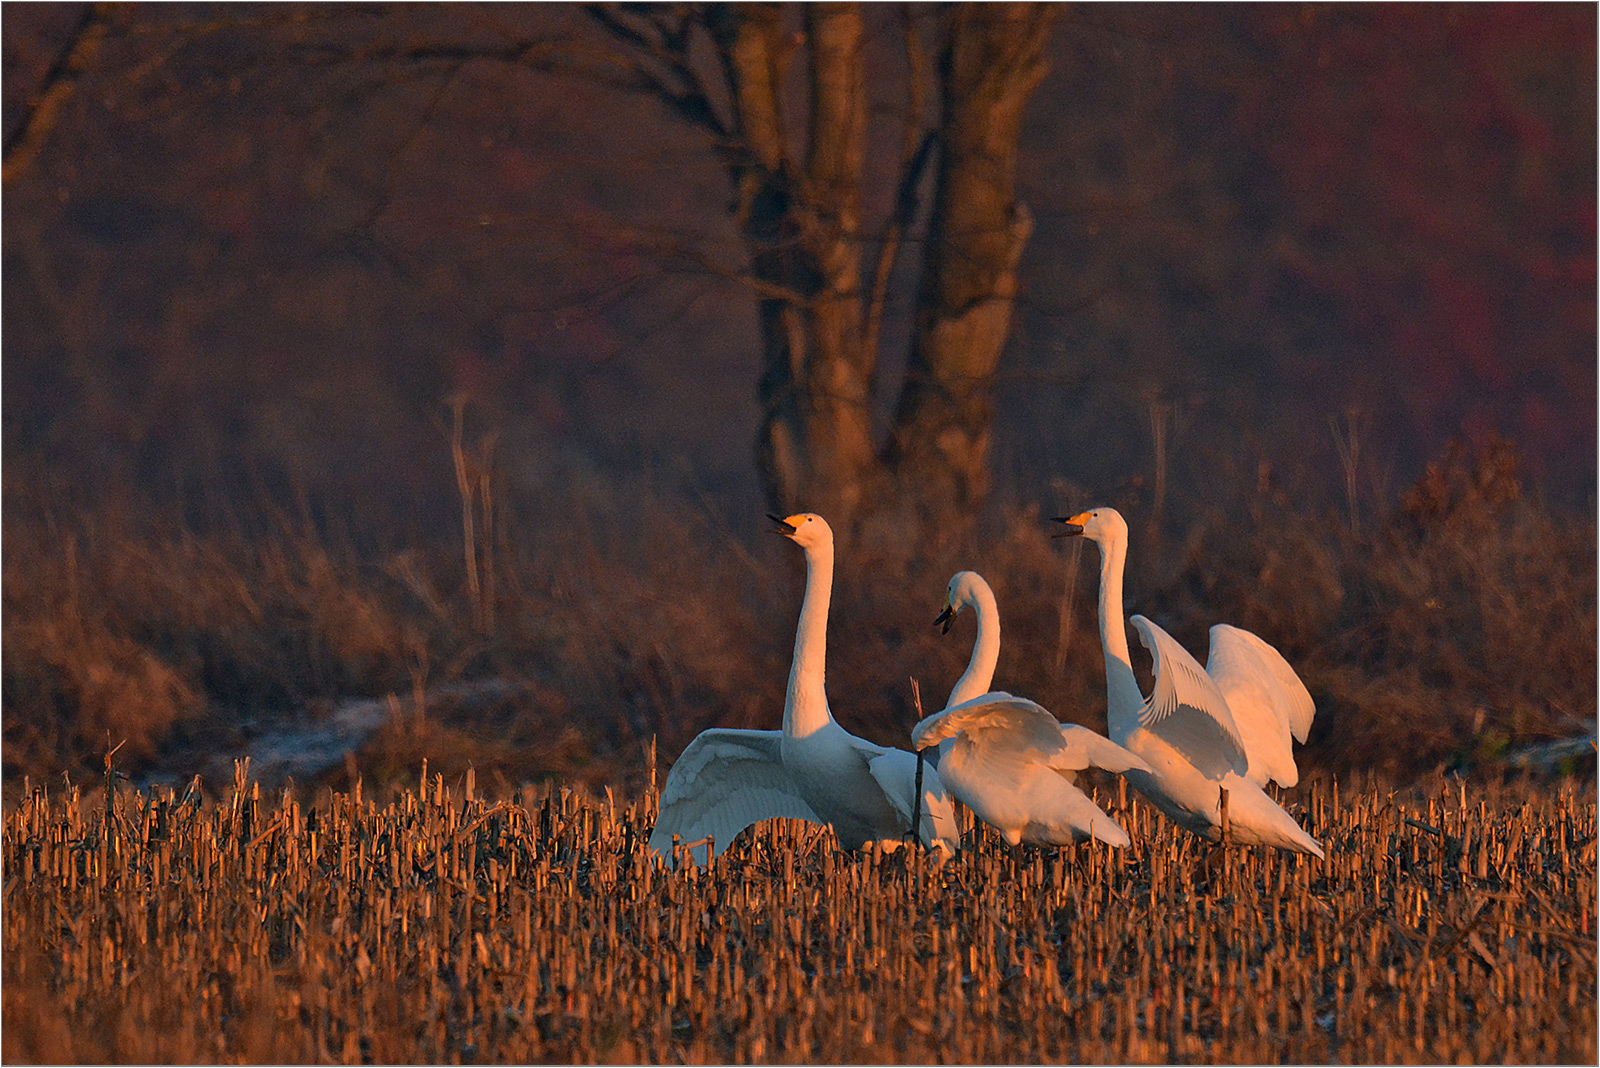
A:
(1190, 729)
(812, 769)
(1008, 759)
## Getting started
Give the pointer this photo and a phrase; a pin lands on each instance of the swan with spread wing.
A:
(813, 769)
(1201, 730)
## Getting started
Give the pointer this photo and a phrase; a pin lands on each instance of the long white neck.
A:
(985, 651)
(805, 707)
(1123, 698)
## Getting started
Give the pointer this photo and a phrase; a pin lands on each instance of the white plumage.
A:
(812, 769)
(1201, 730)
(1269, 702)
(1007, 758)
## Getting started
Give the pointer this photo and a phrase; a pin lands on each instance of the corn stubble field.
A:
(1453, 922)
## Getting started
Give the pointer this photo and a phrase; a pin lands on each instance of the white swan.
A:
(1189, 730)
(813, 769)
(1008, 759)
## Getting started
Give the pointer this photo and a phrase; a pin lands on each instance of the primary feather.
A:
(1270, 704)
(725, 781)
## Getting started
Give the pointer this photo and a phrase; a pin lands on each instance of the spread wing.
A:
(1084, 748)
(1267, 699)
(895, 771)
(725, 781)
(1186, 710)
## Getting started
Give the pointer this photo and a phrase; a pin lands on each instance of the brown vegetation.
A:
(1456, 630)
(1448, 925)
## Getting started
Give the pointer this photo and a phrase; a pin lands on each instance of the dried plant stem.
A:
(445, 926)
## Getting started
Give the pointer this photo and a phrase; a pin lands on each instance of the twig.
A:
(916, 793)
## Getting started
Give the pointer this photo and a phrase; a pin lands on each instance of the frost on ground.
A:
(307, 748)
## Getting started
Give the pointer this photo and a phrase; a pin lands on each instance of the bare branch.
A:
(761, 287)
(23, 146)
(668, 46)
(367, 227)
(534, 54)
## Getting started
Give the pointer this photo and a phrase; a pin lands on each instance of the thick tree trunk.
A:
(802, 223)
(939, 445)
(798, 210)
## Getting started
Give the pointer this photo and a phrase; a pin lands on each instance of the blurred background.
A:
(380, 383)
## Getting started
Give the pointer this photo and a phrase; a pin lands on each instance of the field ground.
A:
(1453, 922)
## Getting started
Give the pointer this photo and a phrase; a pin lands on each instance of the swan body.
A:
(1200, 731)
(1008, 759)
(812, 769)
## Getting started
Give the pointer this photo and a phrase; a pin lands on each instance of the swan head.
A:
(962, 592)
(1099, 525)
(805, 529)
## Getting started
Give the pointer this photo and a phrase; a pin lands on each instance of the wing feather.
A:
(725, 781)
(1185, 708)
(1000, 718)
(999, 724)
(1267, 699)
(1289, 692)
(1084, 748)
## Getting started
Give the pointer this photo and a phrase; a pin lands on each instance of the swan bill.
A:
(784, 527)
(945, 619)
(1074, 527)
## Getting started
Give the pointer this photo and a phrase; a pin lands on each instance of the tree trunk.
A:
(939, 445)
(801, 221)
(798, 203)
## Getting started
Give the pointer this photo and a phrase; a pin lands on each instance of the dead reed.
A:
(1456, 628)
(1451, 923)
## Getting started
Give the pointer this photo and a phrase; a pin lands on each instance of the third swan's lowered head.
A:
(805, 529)
(1097, 524)
(961, 592)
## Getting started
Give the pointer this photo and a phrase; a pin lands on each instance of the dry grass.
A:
(1454, 630)
(1460, 627)
(1447, 926)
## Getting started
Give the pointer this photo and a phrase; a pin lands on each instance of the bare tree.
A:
(798, 175)
(782, 94)
(993, 60)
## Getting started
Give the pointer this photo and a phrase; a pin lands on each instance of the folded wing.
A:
(995, 718)
(998, 724)
(1084, 748)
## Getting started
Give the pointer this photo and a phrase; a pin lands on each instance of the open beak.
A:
(784, 527)
(944, 620)
(1074, 526)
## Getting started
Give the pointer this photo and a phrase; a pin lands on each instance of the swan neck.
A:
(805, 706)
(1123, 698)
(979, 676)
